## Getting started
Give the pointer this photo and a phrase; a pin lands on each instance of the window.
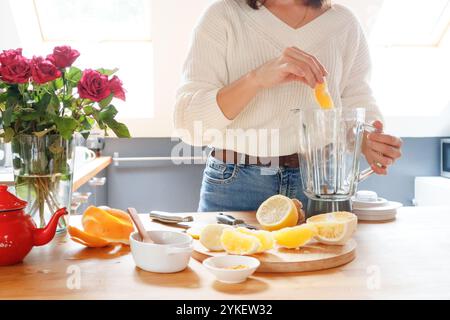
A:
(108, 34)
(411, 23)
(411, 65)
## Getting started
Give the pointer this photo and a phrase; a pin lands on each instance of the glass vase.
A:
(43, 173)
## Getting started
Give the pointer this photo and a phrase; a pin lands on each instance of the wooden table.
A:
(407, 258)
(81, 175)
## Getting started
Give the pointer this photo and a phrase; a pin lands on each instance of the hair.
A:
(255, 4)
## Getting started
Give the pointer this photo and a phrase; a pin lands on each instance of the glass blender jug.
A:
(330, 150)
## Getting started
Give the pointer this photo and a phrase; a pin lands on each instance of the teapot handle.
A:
(364, 174)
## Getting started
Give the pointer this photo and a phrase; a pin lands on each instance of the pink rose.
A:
(15, 68)
(93, 85)
(43, 70)
(7, 56)
(115, 84)
(63, 56)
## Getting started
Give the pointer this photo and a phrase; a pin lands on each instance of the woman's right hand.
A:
(292, 65)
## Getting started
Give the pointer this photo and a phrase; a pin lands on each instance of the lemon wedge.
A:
(235, 242)
(323, 96)
(265, 237)
(210, 236)
(295, 237)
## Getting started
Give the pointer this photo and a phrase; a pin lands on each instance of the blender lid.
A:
(8, 201)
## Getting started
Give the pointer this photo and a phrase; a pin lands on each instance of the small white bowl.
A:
(170, 252)
(217, 265)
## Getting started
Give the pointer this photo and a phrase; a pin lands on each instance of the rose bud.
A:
(63, 56)
(93, 85)
(43, 70)
(115, 84)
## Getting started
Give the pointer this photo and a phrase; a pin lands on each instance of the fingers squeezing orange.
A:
(103, 226)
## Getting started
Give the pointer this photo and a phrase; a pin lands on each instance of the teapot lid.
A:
(8, 201)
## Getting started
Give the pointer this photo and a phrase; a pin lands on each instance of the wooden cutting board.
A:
(312, 257)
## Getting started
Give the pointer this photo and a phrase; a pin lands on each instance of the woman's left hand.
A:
(381, 150)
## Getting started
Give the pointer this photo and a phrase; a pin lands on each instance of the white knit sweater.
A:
(232, 39)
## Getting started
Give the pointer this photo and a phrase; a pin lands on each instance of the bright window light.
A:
(96, 20)
(411, 23)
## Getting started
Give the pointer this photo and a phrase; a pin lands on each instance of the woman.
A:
(250, 62)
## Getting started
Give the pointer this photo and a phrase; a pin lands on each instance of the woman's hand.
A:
(293, 65)
(381, 150)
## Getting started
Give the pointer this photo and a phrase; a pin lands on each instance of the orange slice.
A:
(323, 96)
(86, 239)
(112, 225)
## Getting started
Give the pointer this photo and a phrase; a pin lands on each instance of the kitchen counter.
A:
(408, 258)
(81, 174)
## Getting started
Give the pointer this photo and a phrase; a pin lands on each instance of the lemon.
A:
(236, 242)
(265, 237)
(295, 237)
(276, 213)
(323, 96)
(210, 236)
(334, 228)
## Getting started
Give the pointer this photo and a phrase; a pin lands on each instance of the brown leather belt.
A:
(229, 156)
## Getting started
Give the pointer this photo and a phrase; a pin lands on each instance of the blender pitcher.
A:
(330, 150)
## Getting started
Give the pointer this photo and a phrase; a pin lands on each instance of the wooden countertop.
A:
(81, 176)
(408, 258)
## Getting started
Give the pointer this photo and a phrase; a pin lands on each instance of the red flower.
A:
(43, 71)
(63, 56)
(14, 67)
(116, 86)
(7, 56)
(93, 85)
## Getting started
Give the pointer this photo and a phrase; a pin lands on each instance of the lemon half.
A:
(276, 213)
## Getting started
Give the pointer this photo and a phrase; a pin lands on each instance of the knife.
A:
(232, 221)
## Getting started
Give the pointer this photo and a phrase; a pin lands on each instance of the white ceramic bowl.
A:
(217, 265)
(170, 252)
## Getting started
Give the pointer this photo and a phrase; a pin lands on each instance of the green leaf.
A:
(120, 129)
(66, 126)
(7, 114)
(107, 72)
(105, 102)
(108, 113)
(74, 75)
(42, 105)
(58, 83)
(42, 133)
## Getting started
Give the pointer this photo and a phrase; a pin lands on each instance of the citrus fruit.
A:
(323, 96)
(236, 242)
(294, 237)
(210, 236)
(265, 237)
(86, 239)
(112, 225)
(276, 213)
(334, 228)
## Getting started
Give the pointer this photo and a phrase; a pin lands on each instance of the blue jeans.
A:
(236, 187)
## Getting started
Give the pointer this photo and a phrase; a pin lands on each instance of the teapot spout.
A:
(43, 236)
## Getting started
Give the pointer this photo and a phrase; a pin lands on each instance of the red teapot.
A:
(18, 232)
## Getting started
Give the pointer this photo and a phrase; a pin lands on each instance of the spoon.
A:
(140, 227)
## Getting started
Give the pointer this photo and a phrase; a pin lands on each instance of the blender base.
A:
(316, 207)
